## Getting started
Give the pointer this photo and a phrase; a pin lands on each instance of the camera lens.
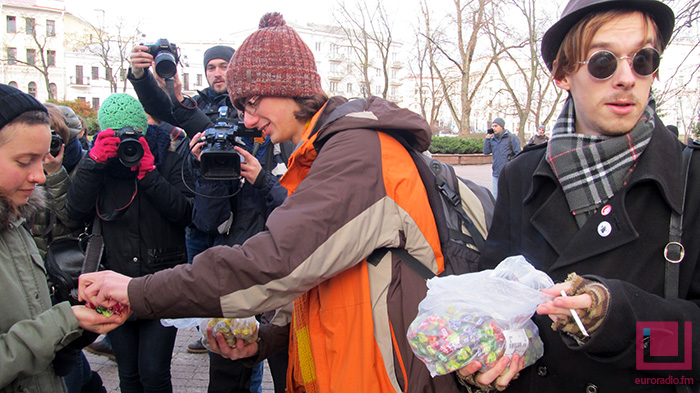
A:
(56, 143)
(166, 65)
(130, 152)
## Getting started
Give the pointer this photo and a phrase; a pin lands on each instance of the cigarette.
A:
(576, 318)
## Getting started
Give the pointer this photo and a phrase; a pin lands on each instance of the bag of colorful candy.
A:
(480, 316)
(231, 328)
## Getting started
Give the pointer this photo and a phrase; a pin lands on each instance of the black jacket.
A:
(150, 234)
(532, 218)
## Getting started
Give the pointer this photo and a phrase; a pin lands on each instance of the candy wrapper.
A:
(480, 317)
(231, 328)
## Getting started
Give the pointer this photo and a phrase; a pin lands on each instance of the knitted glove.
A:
(105, 146)
(147, 161)
(593, 316)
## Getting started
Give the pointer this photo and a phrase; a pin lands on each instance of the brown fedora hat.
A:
(577, 9)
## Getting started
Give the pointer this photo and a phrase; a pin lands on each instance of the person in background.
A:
(540, 137)
(503, 145)
(133, 181)
(593, 207)
(34, 334)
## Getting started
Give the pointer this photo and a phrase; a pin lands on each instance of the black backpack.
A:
(463, 211)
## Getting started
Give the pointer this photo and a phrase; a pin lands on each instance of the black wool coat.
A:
(532, 218)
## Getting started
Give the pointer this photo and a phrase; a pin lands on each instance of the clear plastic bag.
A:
(231, 328)
(480, 316)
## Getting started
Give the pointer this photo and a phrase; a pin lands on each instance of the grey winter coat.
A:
(31, 330)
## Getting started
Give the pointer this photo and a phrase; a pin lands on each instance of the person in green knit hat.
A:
(132, 180)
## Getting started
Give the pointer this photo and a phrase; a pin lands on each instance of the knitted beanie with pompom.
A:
(273, 62)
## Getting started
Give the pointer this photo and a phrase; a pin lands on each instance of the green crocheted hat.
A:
(121, 110)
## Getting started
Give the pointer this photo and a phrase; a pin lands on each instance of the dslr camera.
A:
(219, 160)
(489, 131)
(130, 150)
(166, 56)
(56, 143)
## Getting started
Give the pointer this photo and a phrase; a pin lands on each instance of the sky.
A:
(212, 21)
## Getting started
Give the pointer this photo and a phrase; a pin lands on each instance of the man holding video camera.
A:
(503, 145)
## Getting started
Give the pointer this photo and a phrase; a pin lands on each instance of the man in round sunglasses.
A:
(592, 208)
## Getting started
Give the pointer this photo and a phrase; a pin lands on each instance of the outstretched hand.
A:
(105, 288)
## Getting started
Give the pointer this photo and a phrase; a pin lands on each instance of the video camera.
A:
(56, 143)
(219, 160)
(166, 56)
(130, 150)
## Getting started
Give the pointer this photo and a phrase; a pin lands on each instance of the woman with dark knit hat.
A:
(33, 334)
(353, 188)
(132, 180)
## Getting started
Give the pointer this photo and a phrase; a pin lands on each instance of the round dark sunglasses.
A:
(603, 64)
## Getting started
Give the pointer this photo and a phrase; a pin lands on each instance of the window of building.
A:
(29, 25)
(394, 91)
(199, 79)
(50, 28)
(95, 103)
(78, 75)
(11, 24)
(186, 81)
(334, 67)
(31, 56)
(108, 73)
(31, 89)
(318, 47)
(53, 90)
(349, 68)
(348, 89)
(51, 58)
(11, 55)
(81, 99)
(13, 84)
(95, 73)
(334, 50)
(122, 74)
(334, 86)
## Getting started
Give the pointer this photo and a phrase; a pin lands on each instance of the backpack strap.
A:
(405, 257)
(674, 250)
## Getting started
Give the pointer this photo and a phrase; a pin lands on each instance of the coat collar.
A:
(652, 166)
(660, 164)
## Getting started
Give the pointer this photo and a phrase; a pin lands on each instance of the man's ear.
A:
(561, 83)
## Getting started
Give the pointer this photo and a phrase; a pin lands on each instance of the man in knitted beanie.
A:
(353, 188)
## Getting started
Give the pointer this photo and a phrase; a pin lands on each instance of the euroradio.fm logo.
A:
(669, 346)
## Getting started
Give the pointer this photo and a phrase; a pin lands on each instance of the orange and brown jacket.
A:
(352, 190)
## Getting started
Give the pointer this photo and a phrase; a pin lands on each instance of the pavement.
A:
(190, 372)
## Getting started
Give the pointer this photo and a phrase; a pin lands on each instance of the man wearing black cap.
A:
(503, 145)
(593, 207)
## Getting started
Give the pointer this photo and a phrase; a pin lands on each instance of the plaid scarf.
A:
(592, 168)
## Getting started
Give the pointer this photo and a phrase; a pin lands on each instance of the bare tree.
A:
(368, 29)
(455, 42)
(112, 46)
(515, 47)
(427, 85)
(683, 50)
